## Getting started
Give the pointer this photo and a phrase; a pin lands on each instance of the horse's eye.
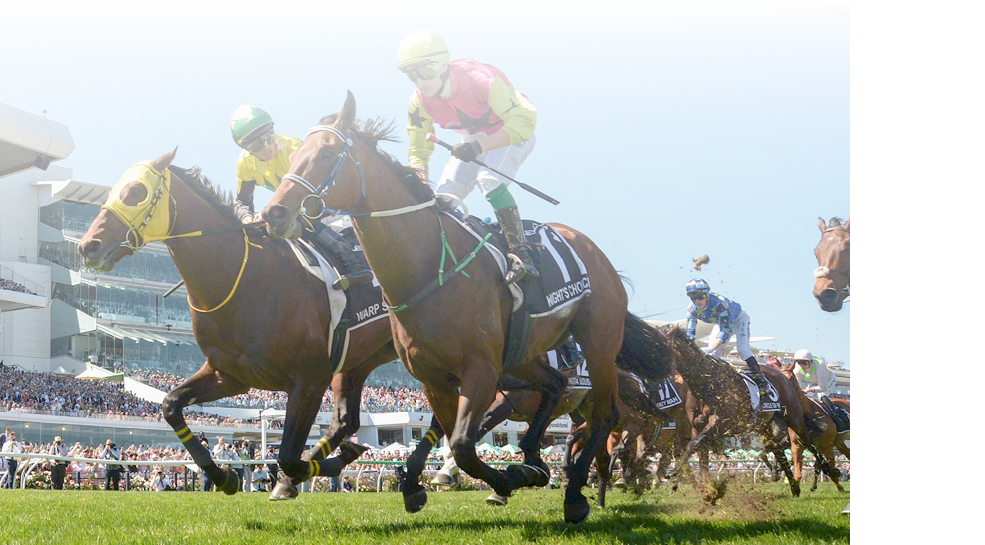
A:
(134, 194)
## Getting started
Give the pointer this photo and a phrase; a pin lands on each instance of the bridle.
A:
(141, 239)
(319, 192)
(825, 272)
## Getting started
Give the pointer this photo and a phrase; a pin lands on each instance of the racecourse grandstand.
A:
(128, 343)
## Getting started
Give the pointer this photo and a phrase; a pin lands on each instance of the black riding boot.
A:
(834, 413)
(521, 262)
(757, 376)
(354, 271)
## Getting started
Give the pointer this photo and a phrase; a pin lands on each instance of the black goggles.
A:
(423, 72)
(698, 296)
(260, 143)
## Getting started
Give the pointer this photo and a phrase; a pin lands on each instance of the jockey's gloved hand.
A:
(467, 151)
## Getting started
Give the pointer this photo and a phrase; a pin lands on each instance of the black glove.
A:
(467, 151)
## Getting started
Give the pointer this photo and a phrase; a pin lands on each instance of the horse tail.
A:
(645, 351)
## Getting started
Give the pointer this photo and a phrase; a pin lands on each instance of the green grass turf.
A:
(760, 514)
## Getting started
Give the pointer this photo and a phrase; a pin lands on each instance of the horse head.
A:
(833, 254)
(137, 211)
(326, 158)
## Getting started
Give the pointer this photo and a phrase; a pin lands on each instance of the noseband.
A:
(328, 183)
(825, 272)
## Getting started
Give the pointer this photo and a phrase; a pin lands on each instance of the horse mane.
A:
(374, 131)
(221, 201)
(718, 370)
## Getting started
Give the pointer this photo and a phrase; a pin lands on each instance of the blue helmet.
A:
(697, 285)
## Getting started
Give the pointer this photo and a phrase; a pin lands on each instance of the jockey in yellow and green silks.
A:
(264, 161)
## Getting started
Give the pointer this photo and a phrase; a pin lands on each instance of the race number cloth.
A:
(580, 380)
(352, 308)
(667, 395)
(563, 276)
(769, 405)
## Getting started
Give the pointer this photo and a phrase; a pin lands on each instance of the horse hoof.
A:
(283, 491)
(620, 483)
(231, 484)
(414, 501)
(496, 500)
(542, 473)
(444, 480)
(350, 452)
(847, 510)
(576, 511)
(528, 475)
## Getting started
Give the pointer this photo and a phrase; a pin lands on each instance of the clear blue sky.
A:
(666, 130)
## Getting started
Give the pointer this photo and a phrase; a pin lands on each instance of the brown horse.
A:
(450, 329)
(515, 400)
(823, 438)
(634, 438)
(724, 392)
(269, 332)
(834, 264)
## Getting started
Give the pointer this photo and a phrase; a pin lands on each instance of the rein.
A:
(441, 279)
(141, 239)
(328, 183)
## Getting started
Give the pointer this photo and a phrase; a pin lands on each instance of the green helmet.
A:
(248, 123)
(422, 48)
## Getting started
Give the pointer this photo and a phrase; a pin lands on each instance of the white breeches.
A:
(741, 331)
(460, 178)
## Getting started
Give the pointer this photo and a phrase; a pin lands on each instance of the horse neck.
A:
(403, 250)
(208, 264)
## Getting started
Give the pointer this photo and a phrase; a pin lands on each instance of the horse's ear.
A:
(164, 161)
(821, 225)
(846, 224)
(347, 117)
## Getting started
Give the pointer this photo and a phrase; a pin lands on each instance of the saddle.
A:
(563, 276)
(352, 308)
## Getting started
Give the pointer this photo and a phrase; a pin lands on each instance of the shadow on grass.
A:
(628, 523)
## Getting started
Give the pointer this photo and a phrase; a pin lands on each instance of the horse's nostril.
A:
(274, 213)
(90, 247)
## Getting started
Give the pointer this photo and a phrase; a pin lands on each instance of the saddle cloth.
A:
(563, 276)
(580, 380)
(350, 309)
(667, 395)
(845, 416)
(769, 405)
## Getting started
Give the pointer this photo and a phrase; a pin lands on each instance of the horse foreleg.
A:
(797, 452)
(415, 495)
(477, 394)
(781, 459)
(551, 384)
(204, 386)
(303, 402)
(347, 392)
(684, 458)
(576, 508)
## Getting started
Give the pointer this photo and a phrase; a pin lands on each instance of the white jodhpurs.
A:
(741, 331)
(460, 178)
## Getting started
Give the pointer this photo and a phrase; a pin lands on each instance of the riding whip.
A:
(433, 138)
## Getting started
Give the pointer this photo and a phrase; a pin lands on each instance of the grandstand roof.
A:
(77, 191)
(28, 140)
(151, 334)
